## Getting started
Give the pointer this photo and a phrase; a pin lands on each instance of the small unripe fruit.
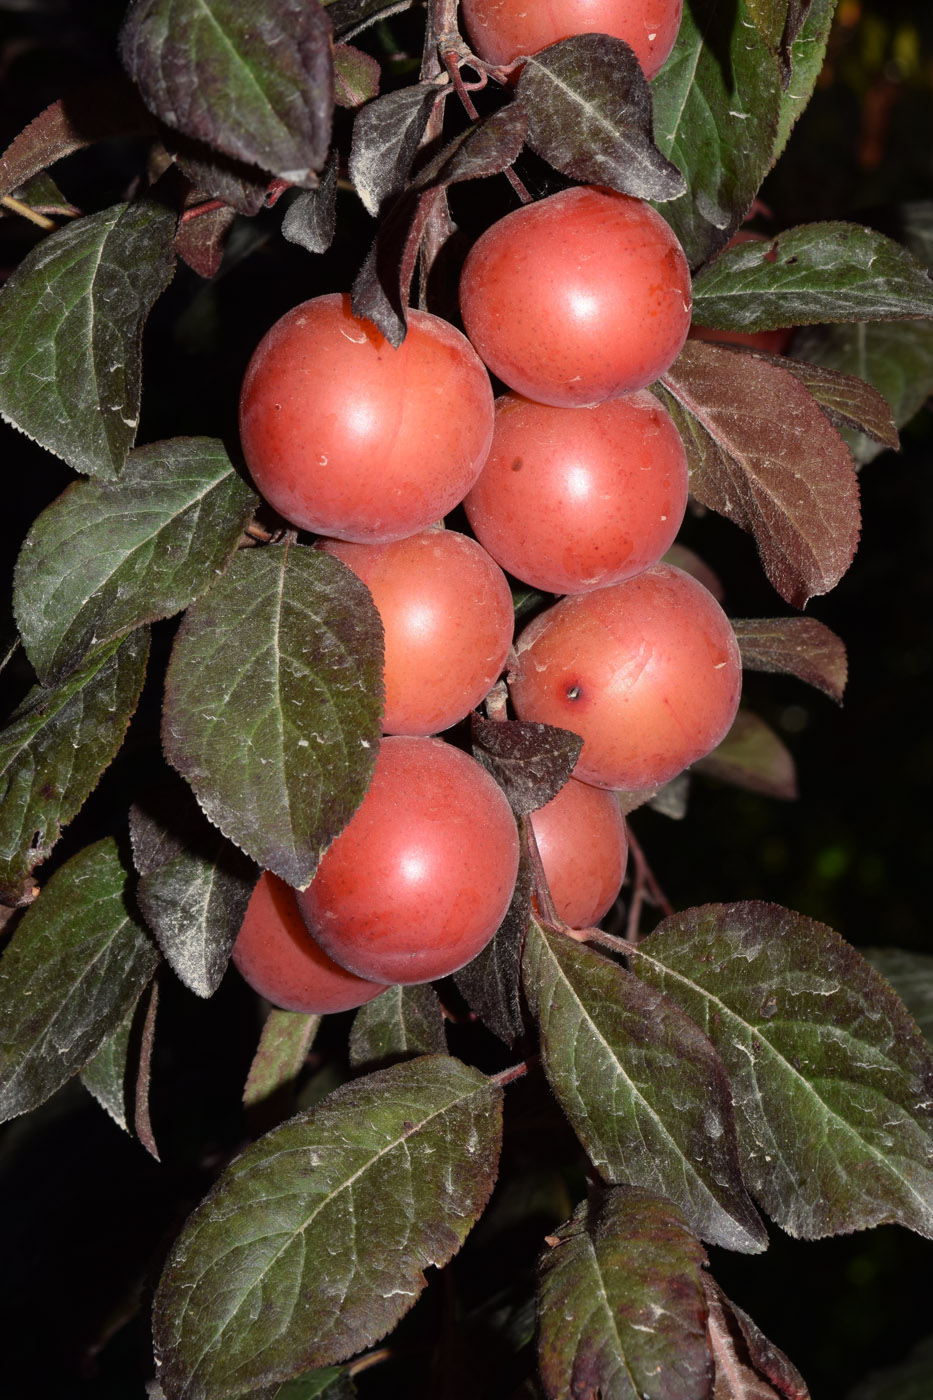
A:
(503, 30)
(276, 955)
(351, 438)
(419, 881)
(647, 672)
(583, 846)
(578, 297)
(576, 498)
(447, 612)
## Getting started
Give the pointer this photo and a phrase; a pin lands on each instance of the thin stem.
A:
(508, 1076)
(196, 210)
(16, 206)
(644, 887)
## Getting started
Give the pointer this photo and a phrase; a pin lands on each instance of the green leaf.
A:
(643, 1088)
(107, 556)
(794, 646)
(621, 1306)
(54, 749)
(807, 53)
(751, 756)
(911, 976)
(832, 1082)
(814, 273)
(491, 982)
(400, 1023)
(847, 402)
(273, 703)
(335, 1214)
(256, 82)
(105, 1074)
(356, 76)
(895, 356)
(71, 320)
(911, 1379)
(79, 959)
(717, 102)
(589, 115)
(269, 1092)
(762, 453)
(194, 905)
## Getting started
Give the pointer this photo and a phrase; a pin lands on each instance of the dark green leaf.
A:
(491, 982)
(105, 1074)
(814, 273)
(194, 904)
(747, 1366)
(311, 219)
(336, 1214)
(752, 756)
(273, 703)
(54, 749)
(589, 115)
(71, 320)
(79, 959)
(351, 16)
(622, 1313)
(912, 1379)
(106, 557)
(269, 1092)
(386, 135)
(400, 1023)
(356, 76)
(895, 356)
(717, 102)
(108, 106)
(643, 1088)
(911, 976)
(763, 454)
(807, 53)
(256, 82)
(530, 761)
(832, 1082)
(796, 646)
(916, 229)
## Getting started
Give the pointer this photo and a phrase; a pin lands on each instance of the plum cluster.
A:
(575, 483)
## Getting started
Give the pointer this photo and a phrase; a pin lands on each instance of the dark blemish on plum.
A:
(517, 464)
(573, 692)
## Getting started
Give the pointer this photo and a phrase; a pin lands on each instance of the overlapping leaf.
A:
(911, 976)
(747, 1366)
(350, 16)
(590, 115)
(491, 982)
(255, 82)
(847, 402)
(832, 1082)
(806, 56)
(895, 356)
(400, 1023)
(717, 103)
(54, 749)
(643, 1088)
(79, 959)
(337, 1214)
(530, 762)
(268, 1095)
(752, 756)
(795, 646)
(762, 454)
(273, 703)
(105, 557)
(105, 1074)
(71, 319)
(386, 135)
(622, 1313)
(814, 273)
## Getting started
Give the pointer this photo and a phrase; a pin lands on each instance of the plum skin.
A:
(421, 878)
(501, 30)
(583, 846)
(647, 672)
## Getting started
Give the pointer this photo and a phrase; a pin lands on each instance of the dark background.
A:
(84, 1214)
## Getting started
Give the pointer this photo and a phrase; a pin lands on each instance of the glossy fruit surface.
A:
(647, 672)
(576, 498)
(448, 617)
(584, 848)
(276, 955)
(349, 437)
(578, 297)
(419, 881)
(502, 30)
